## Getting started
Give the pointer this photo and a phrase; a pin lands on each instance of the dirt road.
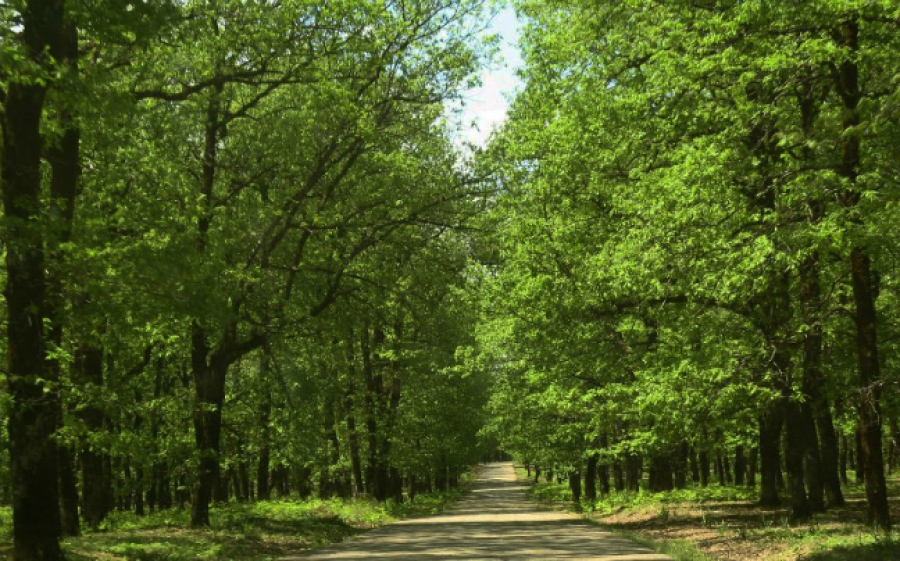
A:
(494, 521)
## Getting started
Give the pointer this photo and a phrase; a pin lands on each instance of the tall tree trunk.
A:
(681, 465)
(34, 405)
(812, 460)
(65, 165)
(740, 465)
(843, 459)
(704, 469)
(590, 479)
(770, 424)
(68, 492)
(353, 442)
(575, 485)
(209, 388)
(633, 472)
(265, 412)
(96, 477)
(800, 508)
(864, 287)
(139, 490)
(821, 462)
(751, 467)
(618, 475)
(695, 466)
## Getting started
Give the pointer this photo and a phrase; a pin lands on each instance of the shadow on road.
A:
(494, 521)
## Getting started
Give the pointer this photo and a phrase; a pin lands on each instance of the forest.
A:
(245, 256)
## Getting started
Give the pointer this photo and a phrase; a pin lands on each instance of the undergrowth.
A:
(696, 524)
(259, 531)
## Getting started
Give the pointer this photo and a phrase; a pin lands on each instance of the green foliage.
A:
(241, 531)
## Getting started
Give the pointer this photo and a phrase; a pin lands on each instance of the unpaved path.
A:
(494, 521)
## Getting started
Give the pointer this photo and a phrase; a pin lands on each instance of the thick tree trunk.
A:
(209, 388)
(796, 444)
(829, 456)
(770, 453)
(575, 485)
(68, 492)
(821, 463)
(864, 286)
(660, 473)
(704, 468)
(65, 164)
(812, 460)
(740, 465)
(96, 476)
(34, 406)
(633, 467)
(870, 397)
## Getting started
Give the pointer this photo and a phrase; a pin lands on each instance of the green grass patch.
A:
(680, 549)
(630, 500)
(260, 531)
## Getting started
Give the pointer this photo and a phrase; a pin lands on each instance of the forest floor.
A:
(261, 531)
(724, 524)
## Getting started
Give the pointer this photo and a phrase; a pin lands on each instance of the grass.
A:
(239, 531)
(724, 523)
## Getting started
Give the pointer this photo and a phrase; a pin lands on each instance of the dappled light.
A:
(494, 521)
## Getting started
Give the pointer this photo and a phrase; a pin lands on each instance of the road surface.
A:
(494, 521)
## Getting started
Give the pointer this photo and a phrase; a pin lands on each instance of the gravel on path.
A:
(495, 520)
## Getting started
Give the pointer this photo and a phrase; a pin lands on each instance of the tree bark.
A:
(68, 492)
(812, 460)
(265, 412)
(618, 475)
(740, 465)
(842, 460)
(65, 165)
(34, 408)
(800, 508)
(633, 467)
(704, 468)
(96, 477)
(695, 466)
(770, 424)
(590, 479)
(751, 467)
(864, 286)
(209, 388)
(575, 485)
(821, 462)
(353, 442)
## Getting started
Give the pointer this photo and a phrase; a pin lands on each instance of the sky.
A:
(485, 107)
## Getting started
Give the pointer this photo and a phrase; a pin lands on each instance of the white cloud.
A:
(485, 107)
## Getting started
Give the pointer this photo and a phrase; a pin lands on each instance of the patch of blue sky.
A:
(485, 107)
